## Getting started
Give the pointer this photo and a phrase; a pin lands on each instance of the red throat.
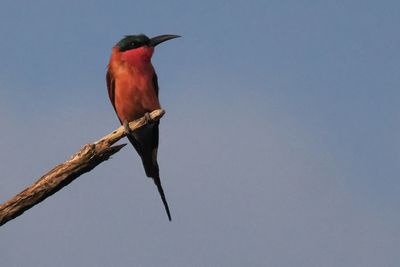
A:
(138, 56)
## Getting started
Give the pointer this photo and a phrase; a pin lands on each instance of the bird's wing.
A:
(111, 87)
(155, 83)
(148, 140)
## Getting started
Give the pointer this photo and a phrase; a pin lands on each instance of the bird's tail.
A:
(157, 182)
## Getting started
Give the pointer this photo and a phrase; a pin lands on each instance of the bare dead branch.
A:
(87, 158)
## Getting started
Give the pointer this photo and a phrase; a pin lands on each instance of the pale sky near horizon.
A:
(280, 145)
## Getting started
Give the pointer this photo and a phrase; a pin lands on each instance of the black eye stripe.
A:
(132, 42)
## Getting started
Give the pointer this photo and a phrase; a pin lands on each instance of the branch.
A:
(87, 158)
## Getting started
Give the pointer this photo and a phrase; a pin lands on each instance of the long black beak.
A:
(162, 38)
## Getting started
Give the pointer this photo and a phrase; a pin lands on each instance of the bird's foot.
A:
(127, 129)
(148, 118)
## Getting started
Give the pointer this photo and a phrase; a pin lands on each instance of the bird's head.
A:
(139, 48)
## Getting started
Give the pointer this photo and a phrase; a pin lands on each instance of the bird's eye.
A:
(133, 44)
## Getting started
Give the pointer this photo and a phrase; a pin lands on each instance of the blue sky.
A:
(280, 146)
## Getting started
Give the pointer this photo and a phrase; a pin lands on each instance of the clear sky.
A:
(280, 146)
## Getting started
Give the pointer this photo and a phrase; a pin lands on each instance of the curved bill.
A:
(162, 38)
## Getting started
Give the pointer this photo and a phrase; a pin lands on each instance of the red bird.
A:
(133, 91)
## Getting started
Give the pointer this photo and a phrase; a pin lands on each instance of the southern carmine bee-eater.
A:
(133, 91)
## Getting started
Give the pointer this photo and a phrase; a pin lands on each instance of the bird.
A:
(133, 91)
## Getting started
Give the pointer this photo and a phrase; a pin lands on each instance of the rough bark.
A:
(87, 158)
